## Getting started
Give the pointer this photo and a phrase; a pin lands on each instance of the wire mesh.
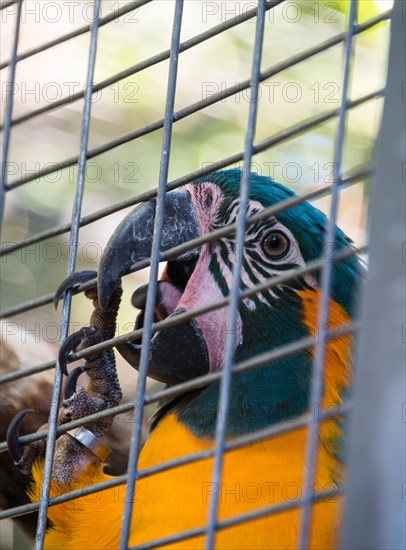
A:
(155, 257)
(251, 148)
(241, 227)
(316, 393)
(9, 112)
(73, 248)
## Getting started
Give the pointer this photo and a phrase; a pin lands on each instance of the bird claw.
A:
(14, 446)
(23, 455)
(71, 381)
(72, 283)
(72, 343)
(72, 453)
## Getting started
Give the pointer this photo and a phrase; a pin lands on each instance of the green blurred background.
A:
(307, 89)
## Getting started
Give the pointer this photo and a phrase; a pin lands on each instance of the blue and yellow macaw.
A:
(268, 472)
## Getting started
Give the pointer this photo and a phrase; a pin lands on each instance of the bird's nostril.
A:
(209, 199)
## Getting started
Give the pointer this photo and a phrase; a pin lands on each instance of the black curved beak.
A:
(178, 353)
(132, 240)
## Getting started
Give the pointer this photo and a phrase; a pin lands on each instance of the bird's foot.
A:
(24, 456)
(75, 450)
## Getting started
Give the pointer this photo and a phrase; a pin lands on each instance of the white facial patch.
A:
(257, 266)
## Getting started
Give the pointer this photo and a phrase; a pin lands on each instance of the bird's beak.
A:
(178, 353)
(131, 242)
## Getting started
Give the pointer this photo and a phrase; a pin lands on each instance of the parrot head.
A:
(267, 320)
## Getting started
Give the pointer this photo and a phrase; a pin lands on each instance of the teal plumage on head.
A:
(305, 221)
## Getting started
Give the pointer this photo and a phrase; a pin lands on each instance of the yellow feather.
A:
(256, 476)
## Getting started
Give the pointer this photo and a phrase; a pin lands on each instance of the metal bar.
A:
(270, 283)
(201, 381)
(150, 327)
(5, 5)
(214, 31)
(29, 371)
(245, 189)
(9, 113)
(219, 233)
(276, 139)
(158, 58)
(236, 443)
(130, 6)
(53, 501)
(241, 518)
(178, 318)
(178, 115)
(282, 352)
(259, 360)
(374, 516)
(132, 469)
(27, 306)
(74, 237)
(317, 381)
(250, 364)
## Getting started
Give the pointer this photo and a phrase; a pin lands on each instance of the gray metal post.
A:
(9, 114)
(375, 514)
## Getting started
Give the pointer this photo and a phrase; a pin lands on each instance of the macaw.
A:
(255, 475)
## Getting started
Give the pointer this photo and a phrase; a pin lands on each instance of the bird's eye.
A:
(276, 245)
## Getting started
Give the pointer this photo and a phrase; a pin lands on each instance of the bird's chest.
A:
(255, 477)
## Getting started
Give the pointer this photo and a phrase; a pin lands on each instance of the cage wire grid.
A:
(341, 181)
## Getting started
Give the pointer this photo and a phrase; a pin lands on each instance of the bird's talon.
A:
(103, 390)
(72, 282)
(70, 386)
(15, 448)
(70, 344)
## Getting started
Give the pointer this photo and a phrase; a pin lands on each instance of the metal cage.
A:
(375, 491)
